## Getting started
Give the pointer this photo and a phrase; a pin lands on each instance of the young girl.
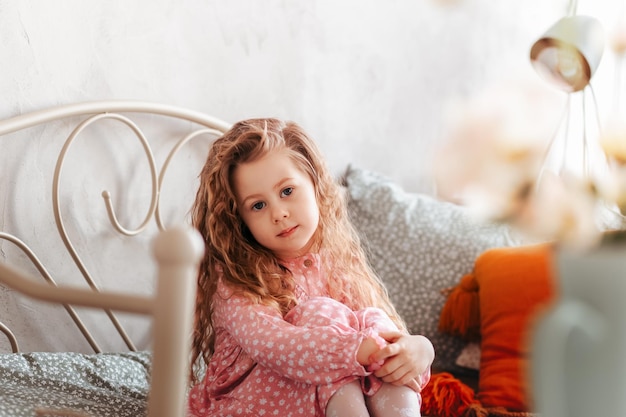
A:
(290, 319)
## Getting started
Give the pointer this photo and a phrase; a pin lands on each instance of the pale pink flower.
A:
(613, 141)
(612, 188)
(564, 209)
(618, 38)
(495, 148)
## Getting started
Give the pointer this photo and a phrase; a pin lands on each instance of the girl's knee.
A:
(392, 400)
(347, 401)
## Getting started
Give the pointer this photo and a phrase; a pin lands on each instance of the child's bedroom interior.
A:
(480, 145)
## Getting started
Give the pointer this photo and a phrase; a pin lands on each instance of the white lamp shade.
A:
(568, 54)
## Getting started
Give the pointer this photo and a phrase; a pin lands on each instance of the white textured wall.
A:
(369, 79)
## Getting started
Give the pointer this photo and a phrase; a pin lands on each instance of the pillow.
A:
(511, 284)
(419, 246)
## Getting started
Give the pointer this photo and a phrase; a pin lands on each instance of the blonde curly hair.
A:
(249, 268)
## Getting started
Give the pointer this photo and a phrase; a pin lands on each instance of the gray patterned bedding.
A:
(74, 384)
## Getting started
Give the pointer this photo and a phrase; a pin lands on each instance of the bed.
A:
(98, 240)
(115, 375)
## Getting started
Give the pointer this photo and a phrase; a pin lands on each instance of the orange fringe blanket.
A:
(447, 396)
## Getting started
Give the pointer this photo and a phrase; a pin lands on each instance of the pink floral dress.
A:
(267, 365)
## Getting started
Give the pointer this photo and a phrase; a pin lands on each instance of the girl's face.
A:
(277, 202)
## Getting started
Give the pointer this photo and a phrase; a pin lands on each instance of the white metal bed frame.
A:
(177, 252)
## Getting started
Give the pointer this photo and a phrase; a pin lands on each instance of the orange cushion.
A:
(512, 284)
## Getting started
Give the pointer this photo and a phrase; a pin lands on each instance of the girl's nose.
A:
(280, 214)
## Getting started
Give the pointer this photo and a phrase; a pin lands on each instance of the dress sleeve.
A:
(376, 319)
(315, 355)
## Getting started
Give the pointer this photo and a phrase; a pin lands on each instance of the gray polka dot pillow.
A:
(419, 246)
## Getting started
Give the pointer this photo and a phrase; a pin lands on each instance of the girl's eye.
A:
(258, 206)
(286, 192)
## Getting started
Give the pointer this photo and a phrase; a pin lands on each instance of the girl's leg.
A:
(391, 400)
(348, 401)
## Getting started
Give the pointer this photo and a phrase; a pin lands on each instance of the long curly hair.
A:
(249, 268)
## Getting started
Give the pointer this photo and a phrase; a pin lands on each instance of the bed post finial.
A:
(178, 252)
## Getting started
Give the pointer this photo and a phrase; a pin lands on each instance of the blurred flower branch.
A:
(496, 161)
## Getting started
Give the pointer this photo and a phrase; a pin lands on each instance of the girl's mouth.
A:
(288, 232)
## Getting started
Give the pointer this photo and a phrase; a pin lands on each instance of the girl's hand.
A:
(371, 344)
(406, 358)
(366, 350)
